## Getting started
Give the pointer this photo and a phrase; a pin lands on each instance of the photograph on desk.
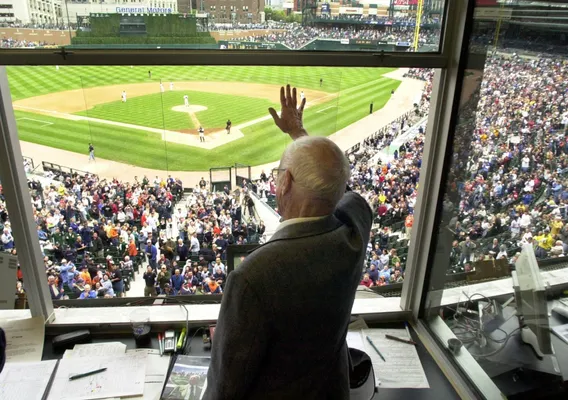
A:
(188, 379)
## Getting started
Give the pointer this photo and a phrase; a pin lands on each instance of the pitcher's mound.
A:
(192, 108)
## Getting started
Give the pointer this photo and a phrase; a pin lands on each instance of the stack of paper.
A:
(156, 366)
(124, 376)
(402, 367)
(25, 380)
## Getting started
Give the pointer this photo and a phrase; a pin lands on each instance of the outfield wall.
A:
(60, 38)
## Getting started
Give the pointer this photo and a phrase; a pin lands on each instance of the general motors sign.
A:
(143, 10)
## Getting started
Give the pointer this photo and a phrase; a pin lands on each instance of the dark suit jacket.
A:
(285, 311)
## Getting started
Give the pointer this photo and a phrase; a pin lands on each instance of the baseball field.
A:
(70, 107)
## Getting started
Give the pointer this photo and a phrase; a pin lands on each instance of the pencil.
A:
(408, 341)
(375, 347)
(72, 378)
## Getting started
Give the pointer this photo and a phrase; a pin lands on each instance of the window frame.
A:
(12, 173)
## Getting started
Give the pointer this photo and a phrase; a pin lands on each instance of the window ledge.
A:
(384, 308)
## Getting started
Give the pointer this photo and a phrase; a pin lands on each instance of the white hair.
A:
(319, 166)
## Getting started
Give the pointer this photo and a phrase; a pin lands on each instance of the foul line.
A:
(327, 108)
(45, 123)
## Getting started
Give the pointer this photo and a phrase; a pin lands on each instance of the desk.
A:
(440, 387)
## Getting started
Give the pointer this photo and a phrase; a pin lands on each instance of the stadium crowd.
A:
(513, 189)
(299, 36)
(95, 234)
(510, 189)
(9, 43)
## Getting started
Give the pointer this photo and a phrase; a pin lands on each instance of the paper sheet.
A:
(25, 380)
(24, 339)
(355, 340)
(8, 270)
(359, 323)
(125, 376)
(402, 368)
(96, 350)
(156, 373)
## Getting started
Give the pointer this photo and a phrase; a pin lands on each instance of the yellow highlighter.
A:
(181, 338)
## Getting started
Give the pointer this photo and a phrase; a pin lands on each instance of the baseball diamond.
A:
(134, 119)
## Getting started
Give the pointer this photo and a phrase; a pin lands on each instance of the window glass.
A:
(379, 25)
(501, 244)
(129, 161)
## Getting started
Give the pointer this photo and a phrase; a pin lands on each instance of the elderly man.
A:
(325, 231)
(7, 240)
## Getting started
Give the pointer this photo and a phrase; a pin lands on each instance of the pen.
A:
(408, 341)
(375, 347)
(72, 378)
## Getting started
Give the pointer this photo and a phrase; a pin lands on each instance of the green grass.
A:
(155, 110)
(263, 143)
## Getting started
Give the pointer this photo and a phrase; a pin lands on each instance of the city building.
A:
(34, 12)
(233, 11)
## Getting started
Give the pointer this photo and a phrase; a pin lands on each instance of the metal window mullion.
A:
(220, 57)
(439, 123)
(18, 201)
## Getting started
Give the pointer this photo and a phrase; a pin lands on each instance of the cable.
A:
(500, 348)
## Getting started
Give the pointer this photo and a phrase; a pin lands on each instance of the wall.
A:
(20, 9)
(107, 7)
(60, 38)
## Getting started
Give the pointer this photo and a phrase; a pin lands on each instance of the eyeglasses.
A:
(276, 172)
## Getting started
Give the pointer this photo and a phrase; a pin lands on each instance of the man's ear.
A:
(286, 183)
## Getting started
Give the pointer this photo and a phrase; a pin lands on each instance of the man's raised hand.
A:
(290, 119)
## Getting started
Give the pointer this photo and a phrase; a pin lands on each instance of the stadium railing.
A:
(30, 162)
(61, 171)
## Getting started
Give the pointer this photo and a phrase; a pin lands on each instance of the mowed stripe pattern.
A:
(263, 143)
(155, 110)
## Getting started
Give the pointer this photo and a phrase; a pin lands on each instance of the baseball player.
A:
(201, 134)
(186, 100)
(161, 87)
(228, 127)
(91, 152)
(123, 96)
(302, 95)
(171, 86)
(57, 67)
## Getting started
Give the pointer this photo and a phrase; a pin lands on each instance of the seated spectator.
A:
(87, 293)
(168, 290)
(210, 286)
(187, 288)
(106, 285)
(385, 273)
(85, 275)
(373, 273)
(7, 240)
(366, 281)
(219, 276)
(55, 288)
